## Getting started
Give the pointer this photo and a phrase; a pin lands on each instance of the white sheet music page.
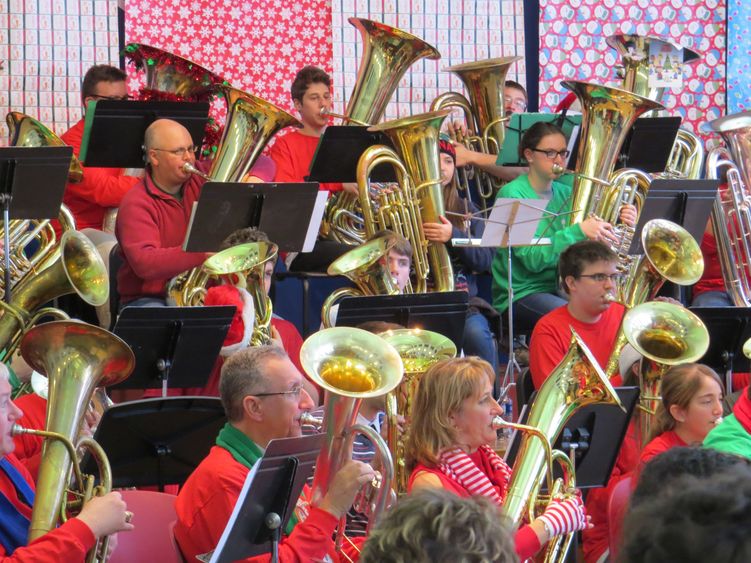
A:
(315, 221)
(526, 214)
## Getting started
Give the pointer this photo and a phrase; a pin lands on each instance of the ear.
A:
(567, 282)
(253, 408)
(528, 154)
(298, 104)
(678, 413)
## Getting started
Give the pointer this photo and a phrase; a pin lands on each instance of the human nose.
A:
(717, 407)
(496, 408)
(306, 401)
(15, 412)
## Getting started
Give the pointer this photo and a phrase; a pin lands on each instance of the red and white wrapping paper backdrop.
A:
(572, 46)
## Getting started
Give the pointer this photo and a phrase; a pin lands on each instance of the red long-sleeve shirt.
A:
(150, 229)
(207, 499)
(100, 189)
(69, 542)
(293, 154)
(551, 339)
(29, 448)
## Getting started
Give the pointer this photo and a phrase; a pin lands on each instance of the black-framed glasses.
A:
(551, 154)
(112, 98)
(181, 151)
(600, 277)
(294, 392)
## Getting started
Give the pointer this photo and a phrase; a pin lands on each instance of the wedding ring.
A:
(128, 516)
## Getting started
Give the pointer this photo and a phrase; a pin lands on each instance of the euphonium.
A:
(607, 115)
(366, 266)
(418, 199)
(575, 382)
(351, 365)
(419, 350)
(387, 54)
(484, 110)
(77, 268)
(245, 263)
(77, 358)
(667, 335)
(670, 254)
(686, 159)
(731, 216)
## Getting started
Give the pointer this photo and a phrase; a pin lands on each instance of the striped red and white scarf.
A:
(458, 466)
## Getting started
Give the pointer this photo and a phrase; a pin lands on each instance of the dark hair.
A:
(535, 134)
(436, 526)
(97, 74)
(514, 84)
(305, 77)
(659, 472)
(696, 519)
(242, 236)
(402, 246)
(579, 255)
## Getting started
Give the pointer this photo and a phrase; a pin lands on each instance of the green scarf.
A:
(247, 453)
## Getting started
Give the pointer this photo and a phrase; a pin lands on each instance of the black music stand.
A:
(289, 213)
(649, 143)
(32, 182)
(157, 442)
(268, 499)
(442, 312)
(339, 150)
(174, 346)
(729, 328)
(114, 129)
(594, 434)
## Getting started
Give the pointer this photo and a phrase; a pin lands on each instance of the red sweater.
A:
(526, 541)
(207, 499)
(29, 448)
(659, 444)
(151, 227)
(100, 189)
(711, 279)
(552, 336)
(69, 542)
(293, 154)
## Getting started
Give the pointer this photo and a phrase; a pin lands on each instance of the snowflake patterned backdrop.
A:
(739, 56)
(572, 46)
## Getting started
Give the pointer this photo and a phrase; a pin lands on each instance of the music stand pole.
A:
(512, 364)
(5, 201)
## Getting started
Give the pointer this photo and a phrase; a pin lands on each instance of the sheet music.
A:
(525, 222)
(315, 221)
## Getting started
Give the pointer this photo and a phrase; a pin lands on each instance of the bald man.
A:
(154, 216)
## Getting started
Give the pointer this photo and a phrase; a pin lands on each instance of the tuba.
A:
(667, 335)
(731, 214)
(419, 350)
(418, 198)
(670, 254)
(77, 268)
(607, 115)
(575, 382)
(366, 266)
(77, 358)
(483, 111)
(351, 365)
(246, 263)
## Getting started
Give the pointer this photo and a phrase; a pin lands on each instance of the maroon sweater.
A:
(151, 227)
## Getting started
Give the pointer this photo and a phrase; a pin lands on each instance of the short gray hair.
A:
(243, 374)
(4, 372)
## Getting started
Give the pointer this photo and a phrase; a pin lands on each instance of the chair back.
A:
(152, 539)
(617, 507)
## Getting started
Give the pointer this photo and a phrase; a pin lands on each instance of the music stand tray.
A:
(441, 312)
(157, 441)
(268, 496)
(289, 213)
(174, 346)
(339, 150)
(649, 143)
(601, 427)
(129, 119)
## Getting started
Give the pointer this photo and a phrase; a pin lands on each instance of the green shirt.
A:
(534, 268)
(730, 437)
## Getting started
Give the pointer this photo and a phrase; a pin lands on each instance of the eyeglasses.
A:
(112, 98)
(551, 154)
(294, 392)
(181, 151)
(600, 277)
(521, 105)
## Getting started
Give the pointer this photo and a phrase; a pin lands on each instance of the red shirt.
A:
(29, 448)
(552, 336)
(525, 539)
(659, 444)
(151, 227)
(100, 189)
(293, 154)
(69, 542)
(711, 279)
(207, 499)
